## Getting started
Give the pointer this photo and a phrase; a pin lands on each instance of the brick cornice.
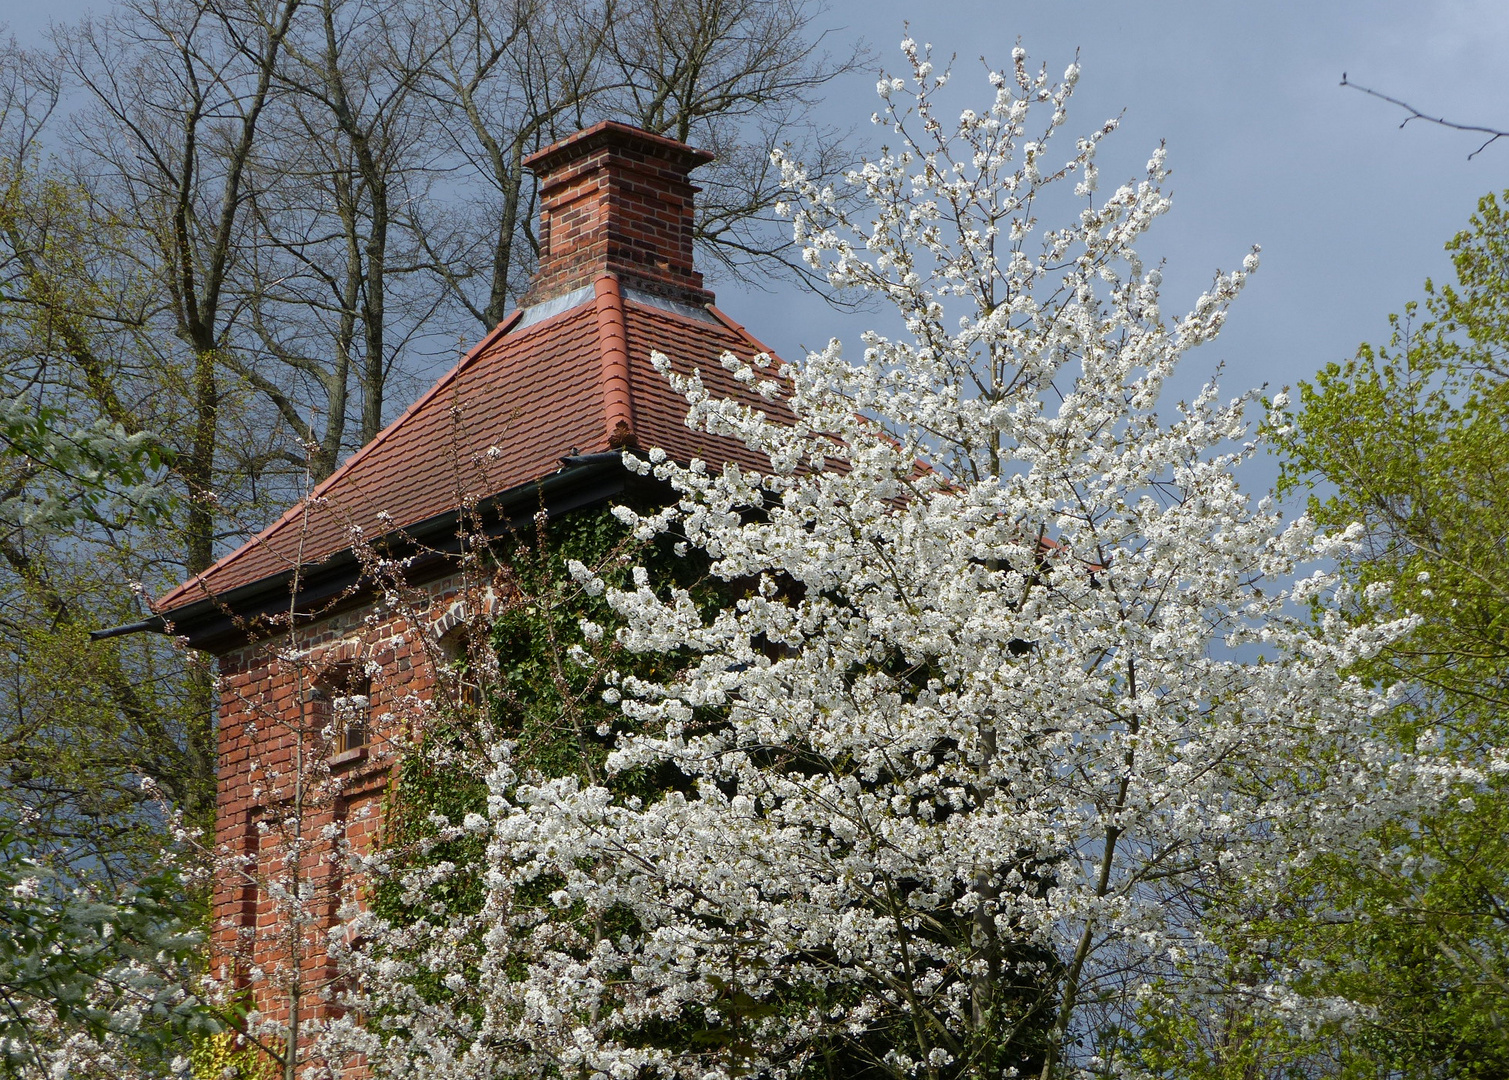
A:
(553, 159)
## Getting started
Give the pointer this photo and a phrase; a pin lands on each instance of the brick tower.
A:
(320, 679)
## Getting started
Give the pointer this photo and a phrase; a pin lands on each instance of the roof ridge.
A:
(616, 381)
(738, 328)
(171, 599)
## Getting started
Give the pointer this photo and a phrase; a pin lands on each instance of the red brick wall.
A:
(268, 718)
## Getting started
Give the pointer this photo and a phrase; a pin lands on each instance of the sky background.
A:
(1265, 146)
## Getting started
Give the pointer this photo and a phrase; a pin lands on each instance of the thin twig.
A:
(1494, 134)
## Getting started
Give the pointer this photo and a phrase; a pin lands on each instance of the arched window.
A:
(348, 691)
(461, 664)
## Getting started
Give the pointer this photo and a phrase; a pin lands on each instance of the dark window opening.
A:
(348, 691)
(462, 666)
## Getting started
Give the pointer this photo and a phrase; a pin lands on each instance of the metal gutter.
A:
(156, 624)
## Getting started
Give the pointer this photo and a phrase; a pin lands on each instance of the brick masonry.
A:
(285, 786)
(617, 200)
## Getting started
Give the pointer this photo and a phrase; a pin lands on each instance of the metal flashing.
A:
(536, 313)
(665, 303)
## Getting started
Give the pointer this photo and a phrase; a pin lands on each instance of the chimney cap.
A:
(608, 133)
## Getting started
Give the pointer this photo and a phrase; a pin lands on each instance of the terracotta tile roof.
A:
(577, 381)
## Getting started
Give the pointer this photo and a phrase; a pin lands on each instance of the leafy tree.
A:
(956, 784)
(95, 986)
(89, 505)
(74, 761)
(1411, 440)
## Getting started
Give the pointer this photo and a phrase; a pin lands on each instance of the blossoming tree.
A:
(1013, 690)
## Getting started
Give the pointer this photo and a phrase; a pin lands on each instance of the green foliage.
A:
(83, 723)
(549, 704)
(553, 707)
(73, 764)
(1234, 1043)
(90, 501)
(1411, 440)
(223, 1055)
(116, 968)
(95, 472)
(64, 485)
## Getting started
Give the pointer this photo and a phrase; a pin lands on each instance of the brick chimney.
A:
(614, 199)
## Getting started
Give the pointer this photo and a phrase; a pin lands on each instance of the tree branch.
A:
(1494, 134)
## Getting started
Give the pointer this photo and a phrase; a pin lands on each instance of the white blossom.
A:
(1000, 708)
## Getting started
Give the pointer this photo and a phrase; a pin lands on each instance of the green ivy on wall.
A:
(550, 706)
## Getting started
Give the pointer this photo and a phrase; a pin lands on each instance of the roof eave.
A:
(217, 624)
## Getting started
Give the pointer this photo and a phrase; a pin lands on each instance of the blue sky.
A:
(1266, 148)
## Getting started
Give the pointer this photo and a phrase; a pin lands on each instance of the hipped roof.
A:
(539, 388)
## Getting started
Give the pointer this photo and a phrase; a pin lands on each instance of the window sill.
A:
(348, 757)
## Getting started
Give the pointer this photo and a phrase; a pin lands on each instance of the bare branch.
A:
(1494, 134)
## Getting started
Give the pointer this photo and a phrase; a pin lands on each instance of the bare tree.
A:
(738, 78)
(339, 289)
(115, 262)
(177, 89)
(513, 76)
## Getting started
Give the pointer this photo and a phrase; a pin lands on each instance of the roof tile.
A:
(536, 393)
